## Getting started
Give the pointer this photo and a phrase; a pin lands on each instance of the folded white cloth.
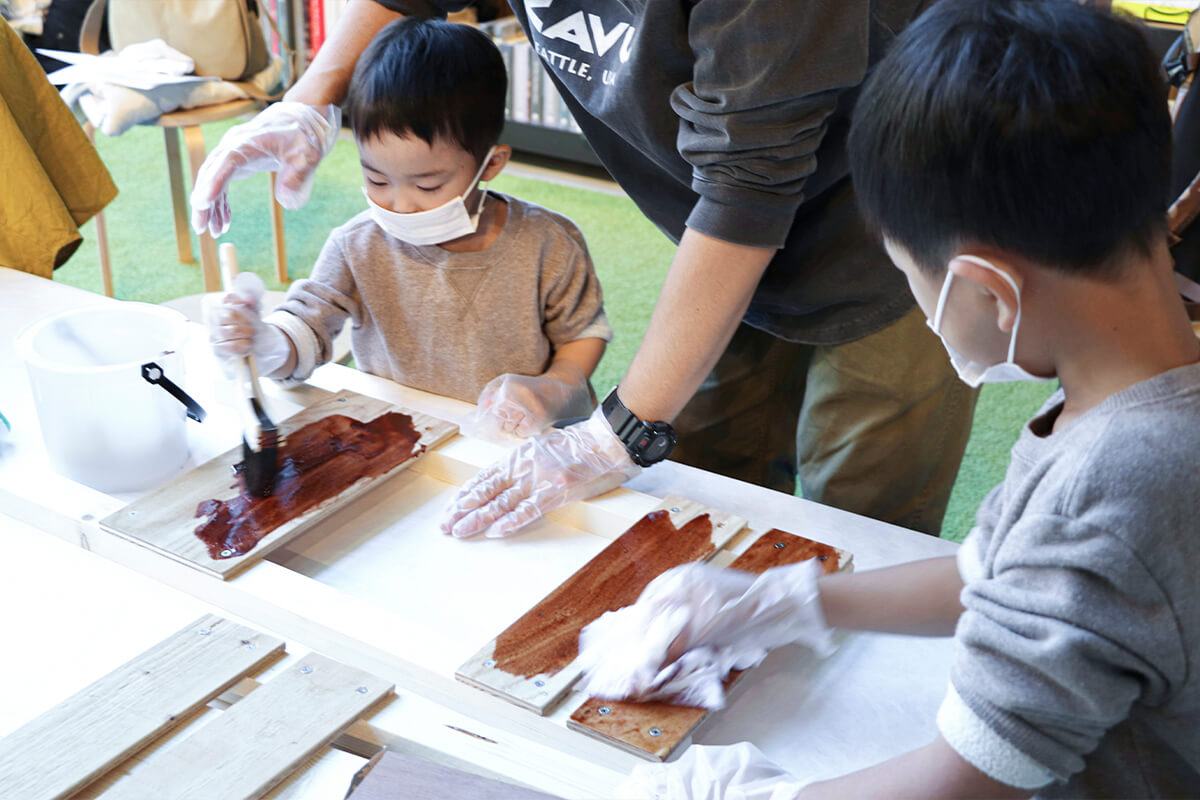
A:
(26, 16)
(113, 109)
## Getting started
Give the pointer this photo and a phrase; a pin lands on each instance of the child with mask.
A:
(1014, 156)
(450, 288)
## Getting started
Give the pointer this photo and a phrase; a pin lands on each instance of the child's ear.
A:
(1003, 295)
(499, 160)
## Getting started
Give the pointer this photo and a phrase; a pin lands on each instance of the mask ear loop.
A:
(482, 192)
(1012, 341)
(941, 303)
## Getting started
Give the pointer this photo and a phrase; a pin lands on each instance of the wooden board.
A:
(654, 730)
(394, 776)
(532, 662)
(167, 519)
(85, 735)
(246, 750)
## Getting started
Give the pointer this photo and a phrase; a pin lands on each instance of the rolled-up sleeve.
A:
(573, 303)
(1053, 650)
(768, 74)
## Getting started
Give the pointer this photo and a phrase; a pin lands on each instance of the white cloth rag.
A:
(693, 625)
(113, 109)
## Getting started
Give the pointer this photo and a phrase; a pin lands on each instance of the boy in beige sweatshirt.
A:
(449, 288)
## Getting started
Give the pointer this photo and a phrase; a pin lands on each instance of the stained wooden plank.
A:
(532, 662)
(82, 737)
(654, 730)
(208, 499)
(245, 751)
(395, 776)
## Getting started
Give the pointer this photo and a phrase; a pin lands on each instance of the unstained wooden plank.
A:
(246, 750)
(532, 662)
(655, 729)
(85, 735)
(167, 519)
(396, 776)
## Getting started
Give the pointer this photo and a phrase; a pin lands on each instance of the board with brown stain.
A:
(654, 730)
(532, 662)
(330, 453)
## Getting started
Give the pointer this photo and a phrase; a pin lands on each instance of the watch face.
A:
(656, 443)
(657, 448)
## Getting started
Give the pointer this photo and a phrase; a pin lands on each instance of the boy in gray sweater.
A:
(1014, 156)
(449, 288)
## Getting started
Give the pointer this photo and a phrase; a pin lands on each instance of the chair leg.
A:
(101, 230)
(209, 269)
(183, 237)
(277, 233)
(102, 246)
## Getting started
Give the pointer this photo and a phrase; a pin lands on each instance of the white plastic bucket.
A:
(103, 424)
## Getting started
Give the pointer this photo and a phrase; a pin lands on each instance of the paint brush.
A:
(260, 437)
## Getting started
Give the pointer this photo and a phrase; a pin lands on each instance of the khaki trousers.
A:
(876, 426)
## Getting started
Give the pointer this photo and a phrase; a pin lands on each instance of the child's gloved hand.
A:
(236, 327)
(287, 137)
(694, 624)
(525, 405)
(560, 467)
(713, 772)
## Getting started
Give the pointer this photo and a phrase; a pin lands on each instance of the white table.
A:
(874, 698)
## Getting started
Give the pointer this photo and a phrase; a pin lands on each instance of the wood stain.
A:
(317, 462)
(766, 553)
(546, 638)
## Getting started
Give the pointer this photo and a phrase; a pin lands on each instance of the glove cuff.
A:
(272, 350)
(607, 446)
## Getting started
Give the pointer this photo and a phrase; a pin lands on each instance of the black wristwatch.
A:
(647, 442)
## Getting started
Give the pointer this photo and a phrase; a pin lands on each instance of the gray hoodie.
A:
(731, 118)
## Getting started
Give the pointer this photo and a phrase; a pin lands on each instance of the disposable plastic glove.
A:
(288, 138)
(564, 465)
(734, 772)
(695, 623)
(236, 327)
(525, 405)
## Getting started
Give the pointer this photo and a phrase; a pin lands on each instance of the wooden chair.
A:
(189, 121)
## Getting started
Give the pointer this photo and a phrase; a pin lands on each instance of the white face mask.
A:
(436, 225)
(972, 373)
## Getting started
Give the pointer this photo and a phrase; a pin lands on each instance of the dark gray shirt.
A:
(731, 118)
(1077, 658)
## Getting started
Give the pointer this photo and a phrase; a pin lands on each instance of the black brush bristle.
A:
(260, 466)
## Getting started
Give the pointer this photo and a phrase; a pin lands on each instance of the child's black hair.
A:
(1039, 127)
(430, 78)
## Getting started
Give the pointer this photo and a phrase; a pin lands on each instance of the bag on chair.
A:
(223, 37)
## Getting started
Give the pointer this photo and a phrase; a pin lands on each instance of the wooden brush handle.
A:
(247, 369)
(227, 255)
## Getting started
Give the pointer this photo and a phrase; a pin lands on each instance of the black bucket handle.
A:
(153, 374)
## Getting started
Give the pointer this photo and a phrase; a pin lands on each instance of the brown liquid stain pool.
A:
(546, 638)
(316, 463)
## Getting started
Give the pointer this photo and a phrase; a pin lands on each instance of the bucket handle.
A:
(153, 374)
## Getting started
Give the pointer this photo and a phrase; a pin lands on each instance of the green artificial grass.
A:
(630, 254)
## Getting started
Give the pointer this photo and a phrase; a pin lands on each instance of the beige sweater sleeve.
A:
(317, 307)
